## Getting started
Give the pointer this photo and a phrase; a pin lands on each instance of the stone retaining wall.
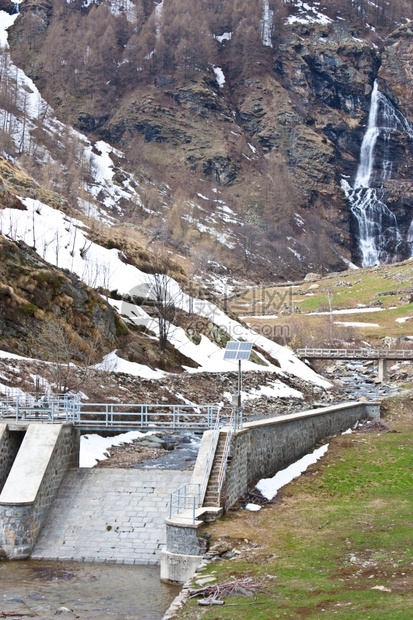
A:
(258, 451)
(22, 517)
(262, 448)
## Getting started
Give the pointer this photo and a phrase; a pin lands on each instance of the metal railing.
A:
(227, 449)
(186, 498)
(210, 458)
(191, 495)
(108, 415)
(392, 354)
(171, 417)
(39, 407)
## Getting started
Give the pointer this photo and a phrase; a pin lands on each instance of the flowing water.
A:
(69, 590)
(378, 234)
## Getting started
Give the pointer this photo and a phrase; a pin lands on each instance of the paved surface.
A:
(110, 515)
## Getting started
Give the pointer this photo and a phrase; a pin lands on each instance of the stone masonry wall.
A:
(9, 446)
(184, 539)
(263, 448)
(20, 524)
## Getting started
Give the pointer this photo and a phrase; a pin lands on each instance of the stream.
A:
(67, 590)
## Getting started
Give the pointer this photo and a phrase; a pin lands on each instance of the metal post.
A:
(238, 418)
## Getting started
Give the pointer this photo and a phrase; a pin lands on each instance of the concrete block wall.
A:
(9, 446)
(26, 499)
(262, 448)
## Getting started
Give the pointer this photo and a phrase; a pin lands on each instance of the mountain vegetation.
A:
(235, 122)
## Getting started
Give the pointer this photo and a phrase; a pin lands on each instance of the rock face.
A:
(272, 142)
(44, 311)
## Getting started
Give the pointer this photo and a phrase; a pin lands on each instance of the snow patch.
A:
(355, 324)
(347, 311)
(307, 14)
(269, 487)
(219, 76)
(223, 37)
(93, 448)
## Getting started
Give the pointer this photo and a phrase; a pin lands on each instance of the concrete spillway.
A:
(109, 515)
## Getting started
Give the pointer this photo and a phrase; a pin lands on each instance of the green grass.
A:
(338, 531)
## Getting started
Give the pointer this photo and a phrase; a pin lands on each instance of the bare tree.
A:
(163, 294)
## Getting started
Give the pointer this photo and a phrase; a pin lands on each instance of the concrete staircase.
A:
(211, 496)
(109, 515)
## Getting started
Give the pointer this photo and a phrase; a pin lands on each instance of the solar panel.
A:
(233, 345)
(238, 350)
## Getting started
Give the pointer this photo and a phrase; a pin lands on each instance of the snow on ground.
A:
(307, 14)
(276, 389)
(269, 487)
(261, 316)
(347, 311)
(355, 324)
(12, 356)
(6, 21)
(403, 319)
(223, 37)
(113, 363)
(219, 76)
(62, 241)
(123, 7)
(23, 119)
(93, 448)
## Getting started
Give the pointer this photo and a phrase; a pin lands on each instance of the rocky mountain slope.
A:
(236, 126)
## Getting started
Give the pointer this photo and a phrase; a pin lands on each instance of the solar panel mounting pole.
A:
(238, 351)
(239, 420)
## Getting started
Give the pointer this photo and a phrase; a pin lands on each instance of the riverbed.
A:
(67, 590)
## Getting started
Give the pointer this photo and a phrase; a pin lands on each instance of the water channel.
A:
(67, 590)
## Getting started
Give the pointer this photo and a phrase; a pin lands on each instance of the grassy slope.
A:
(367, 286)
(331, 536)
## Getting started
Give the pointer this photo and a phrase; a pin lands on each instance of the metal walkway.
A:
(351, 354)
(108, 416)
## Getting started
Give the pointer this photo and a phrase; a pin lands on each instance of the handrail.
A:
(356, 353)
(227, 450)
(184, 499)
(111, 415)
(210, 458)
(176, 504)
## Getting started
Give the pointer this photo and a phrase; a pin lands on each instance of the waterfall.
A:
(378, 233)
(266, 24)
(158, 17)
(410, 238)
